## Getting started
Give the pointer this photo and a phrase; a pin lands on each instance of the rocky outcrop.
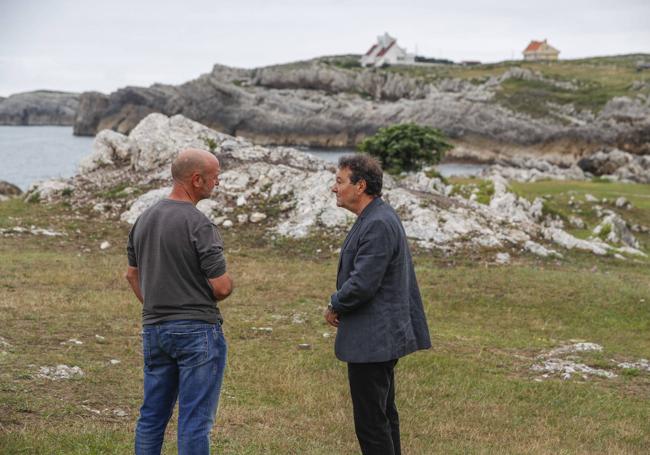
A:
(39, 108)
(524, 169)
(311, 103)
(92, 106)
(9, 189)
(289, 193)
(619, 165)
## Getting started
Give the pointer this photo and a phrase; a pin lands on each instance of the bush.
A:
(406, 147)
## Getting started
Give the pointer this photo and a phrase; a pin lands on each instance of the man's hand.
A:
(331, 317)
(133, 277)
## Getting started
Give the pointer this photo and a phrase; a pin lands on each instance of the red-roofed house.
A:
(386, 51)
(540, 51)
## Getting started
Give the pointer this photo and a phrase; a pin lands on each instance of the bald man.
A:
(177, 269)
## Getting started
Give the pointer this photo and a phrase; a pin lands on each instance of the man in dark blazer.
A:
(377, 306)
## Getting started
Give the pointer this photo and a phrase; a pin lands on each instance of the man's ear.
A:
(362, 186)
(195, 179)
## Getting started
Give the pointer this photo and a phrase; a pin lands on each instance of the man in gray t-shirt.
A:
(177, 269)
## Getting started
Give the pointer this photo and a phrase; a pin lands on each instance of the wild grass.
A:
(472, 393)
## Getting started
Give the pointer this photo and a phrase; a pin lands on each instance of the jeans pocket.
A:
(190, 348)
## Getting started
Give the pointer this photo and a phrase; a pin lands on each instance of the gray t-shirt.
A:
(176, 249)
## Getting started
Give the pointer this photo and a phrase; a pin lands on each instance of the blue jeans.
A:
(184, 360)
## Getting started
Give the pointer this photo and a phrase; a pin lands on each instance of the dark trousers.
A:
(376, 422)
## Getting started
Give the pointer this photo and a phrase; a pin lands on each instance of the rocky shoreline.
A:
(288, 192)
(316, 103)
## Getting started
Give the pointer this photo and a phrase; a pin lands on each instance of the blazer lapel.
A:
(348, 238)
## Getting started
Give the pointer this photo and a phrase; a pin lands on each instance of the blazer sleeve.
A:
(372, 258)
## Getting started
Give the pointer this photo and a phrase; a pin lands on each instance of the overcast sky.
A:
(103, 45)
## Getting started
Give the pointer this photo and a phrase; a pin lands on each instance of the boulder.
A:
(615, 230)
(9, 189)
(605, 162)
(49, 190)
(109, 149)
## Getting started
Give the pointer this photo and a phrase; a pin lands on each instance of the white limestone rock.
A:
(540, 250)
(623, 203)
(49, 190)
(207, 207)
(60, 372)
(109, 149)
(570, 242)
(568, 368)
(617, 231)
(576, 347)
(576, 222)
(143, 203)
(502, 258)
(159, 138)
(256, 217)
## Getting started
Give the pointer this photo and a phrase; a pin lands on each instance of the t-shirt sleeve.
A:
(130, 250)
(209, 247)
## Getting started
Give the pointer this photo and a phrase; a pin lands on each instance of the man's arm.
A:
(133, 277)
(370, 264)
(222, 286)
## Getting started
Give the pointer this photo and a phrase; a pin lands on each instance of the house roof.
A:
(374, 46)
(384, 50)
(534, 46)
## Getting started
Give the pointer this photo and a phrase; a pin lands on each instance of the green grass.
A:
(472, 393)
(483, 189)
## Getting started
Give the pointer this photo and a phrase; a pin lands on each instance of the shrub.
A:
(406, 147)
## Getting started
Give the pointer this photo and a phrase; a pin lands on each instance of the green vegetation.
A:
(343, 61)
(406, 147)
(473, 392)
(210, 143)
(532, 97)
(482, 189)
(432, 173)
(119, 191)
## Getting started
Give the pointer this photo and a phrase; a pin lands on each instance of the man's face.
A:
(209, 179)
(347, 193)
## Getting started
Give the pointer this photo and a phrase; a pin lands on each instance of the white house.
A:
(386, 51)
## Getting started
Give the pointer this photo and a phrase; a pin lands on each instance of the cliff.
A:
(40, 107)
(567, 107)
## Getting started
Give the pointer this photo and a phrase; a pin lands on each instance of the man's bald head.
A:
(190, 161)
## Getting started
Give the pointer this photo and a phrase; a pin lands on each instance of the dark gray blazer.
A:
(380, 309)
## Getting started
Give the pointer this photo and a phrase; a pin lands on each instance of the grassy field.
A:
(473, 392)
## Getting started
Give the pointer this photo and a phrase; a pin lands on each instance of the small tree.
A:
(406, 147)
